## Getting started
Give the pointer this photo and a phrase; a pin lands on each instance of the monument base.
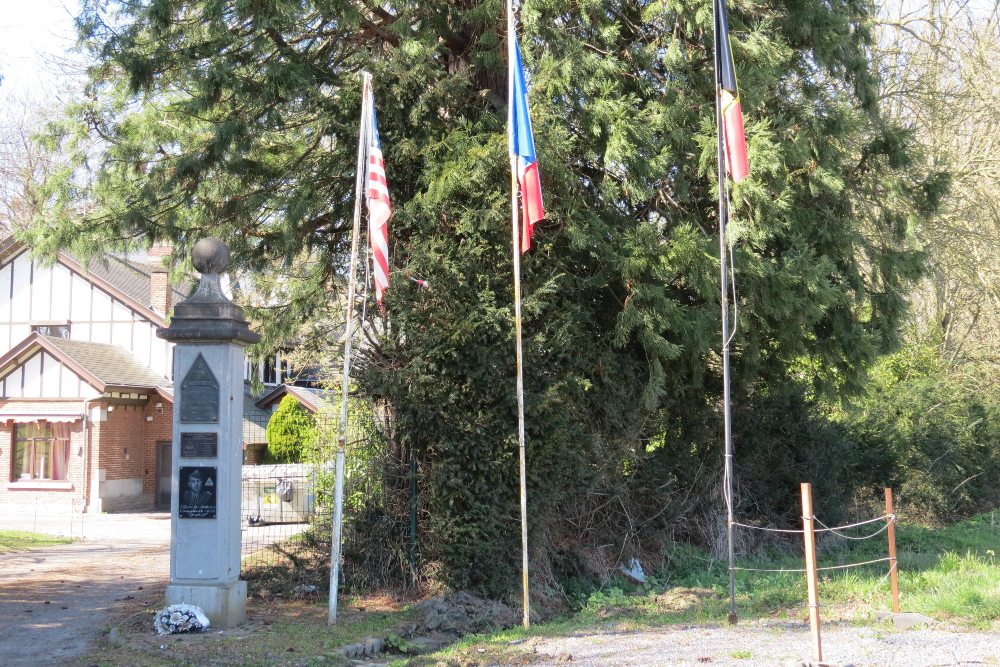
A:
(225, 606)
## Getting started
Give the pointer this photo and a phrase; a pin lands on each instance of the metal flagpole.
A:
(517, 318)
(724, 300)
(338, 504)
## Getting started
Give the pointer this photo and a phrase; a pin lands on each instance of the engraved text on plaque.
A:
(199, 445)
(199, 395)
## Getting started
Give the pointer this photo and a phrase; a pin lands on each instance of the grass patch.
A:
(22, 540)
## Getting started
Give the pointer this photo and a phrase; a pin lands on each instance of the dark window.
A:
(270, 371)
(54, 330)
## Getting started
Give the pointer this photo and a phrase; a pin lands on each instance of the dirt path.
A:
(54, 601)
(766, 644)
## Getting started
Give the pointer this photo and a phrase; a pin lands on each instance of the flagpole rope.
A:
(368, 235)
(364, 294)
(732, 284)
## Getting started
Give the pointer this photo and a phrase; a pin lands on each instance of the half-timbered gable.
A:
(109, 301)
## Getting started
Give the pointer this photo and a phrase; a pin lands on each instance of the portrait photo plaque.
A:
(199, 395)
(199, 445)
(197, 492)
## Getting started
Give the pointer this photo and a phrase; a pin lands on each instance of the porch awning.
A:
(50, 414)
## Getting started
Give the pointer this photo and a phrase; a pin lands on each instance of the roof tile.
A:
(111, 364)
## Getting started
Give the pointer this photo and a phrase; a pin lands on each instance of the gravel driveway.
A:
(766, 644)
(54, 601)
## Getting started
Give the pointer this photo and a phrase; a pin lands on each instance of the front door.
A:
(163, 475)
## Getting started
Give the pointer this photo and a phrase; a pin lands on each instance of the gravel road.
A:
(767, 644)
(54, 601)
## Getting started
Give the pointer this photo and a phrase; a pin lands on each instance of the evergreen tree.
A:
(238, 119)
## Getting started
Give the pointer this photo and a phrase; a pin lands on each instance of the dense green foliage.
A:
(928, 432)
(291, 432)
(238, 119)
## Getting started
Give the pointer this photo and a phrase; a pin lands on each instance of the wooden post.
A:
(893, 569)
(809, 538)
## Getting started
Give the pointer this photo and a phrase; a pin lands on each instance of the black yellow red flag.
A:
(732, 111)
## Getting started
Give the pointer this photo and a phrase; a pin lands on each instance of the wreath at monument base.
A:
(179, 618)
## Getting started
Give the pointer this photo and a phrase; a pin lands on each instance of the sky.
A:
(34, 34)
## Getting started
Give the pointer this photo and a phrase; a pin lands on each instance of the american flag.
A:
(379, 208)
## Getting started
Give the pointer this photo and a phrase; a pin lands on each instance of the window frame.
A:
(50, 440)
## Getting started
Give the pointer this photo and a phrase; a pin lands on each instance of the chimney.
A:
(159, 279)
(159, 250)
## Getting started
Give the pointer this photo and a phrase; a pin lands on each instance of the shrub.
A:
(291, 432)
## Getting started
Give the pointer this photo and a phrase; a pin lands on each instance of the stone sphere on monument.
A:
(210, 255)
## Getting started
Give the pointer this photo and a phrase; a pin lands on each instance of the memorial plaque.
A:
(199, 445)
(199, 395)
(197, 497)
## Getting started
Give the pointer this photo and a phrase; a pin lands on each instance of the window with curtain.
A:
(41, 451)
(54, 330)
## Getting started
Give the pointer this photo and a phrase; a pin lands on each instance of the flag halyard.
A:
(379, 206)
(522, 145)
(732, 110)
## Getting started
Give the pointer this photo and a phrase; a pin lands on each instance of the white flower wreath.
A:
(180, 618)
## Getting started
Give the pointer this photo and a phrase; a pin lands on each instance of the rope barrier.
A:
(890, 517)
(754, 569)
(809, 520)
(843, 567)
(767, 528)
(834, 529)
(881, 581)
(828, 567)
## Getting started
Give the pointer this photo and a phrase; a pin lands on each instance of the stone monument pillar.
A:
(209, 332)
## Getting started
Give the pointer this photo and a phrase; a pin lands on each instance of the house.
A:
(86, 399)
(85, 393)
(313, 399)
(257, 412)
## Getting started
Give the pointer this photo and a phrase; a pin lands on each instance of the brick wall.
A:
(157, 429)
(124, 457)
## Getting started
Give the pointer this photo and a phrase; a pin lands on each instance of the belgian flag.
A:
(732, 112)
